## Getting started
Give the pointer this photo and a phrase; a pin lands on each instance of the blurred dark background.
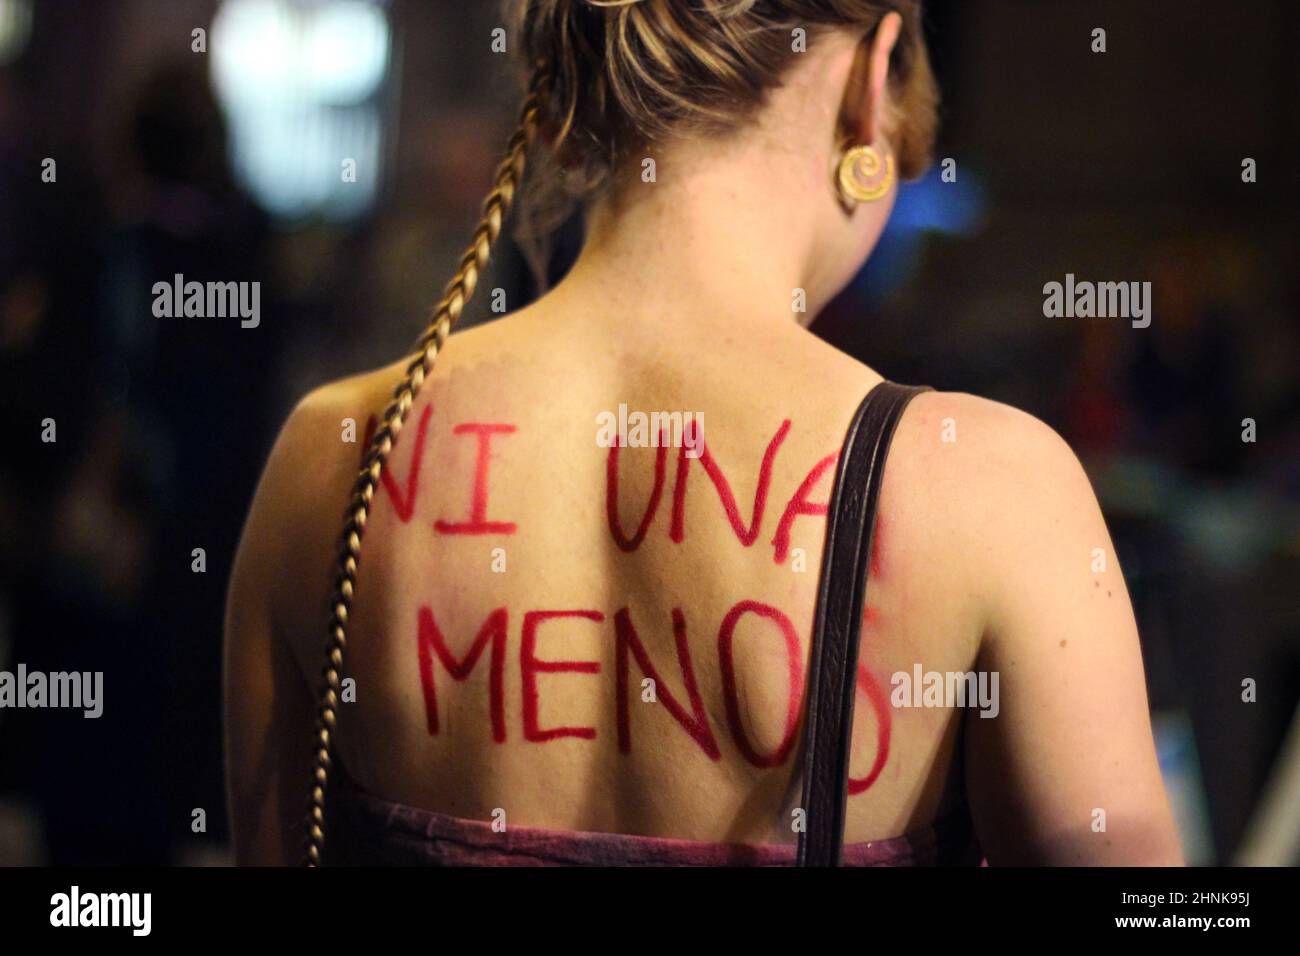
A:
(224, 164)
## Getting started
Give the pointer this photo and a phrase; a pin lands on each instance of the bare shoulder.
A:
(327, 406)
(290, 537)
(318, 452)
(1026, 537)
(991, 450)
(1000, 489)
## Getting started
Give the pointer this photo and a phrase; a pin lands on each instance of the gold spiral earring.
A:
(865, 174)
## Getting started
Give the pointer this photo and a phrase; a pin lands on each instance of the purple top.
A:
(368, 831)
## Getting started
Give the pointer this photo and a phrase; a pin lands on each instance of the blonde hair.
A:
(628, 77)
(631, 75)
(607, 80)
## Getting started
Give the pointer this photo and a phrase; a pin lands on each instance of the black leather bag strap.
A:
(837, 627)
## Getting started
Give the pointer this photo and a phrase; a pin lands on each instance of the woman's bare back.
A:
(521, 582)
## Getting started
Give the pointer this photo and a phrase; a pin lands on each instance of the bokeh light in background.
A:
(15, 28)
(924, 210)
(302, 85)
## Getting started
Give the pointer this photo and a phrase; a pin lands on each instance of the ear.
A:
(865, 106)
